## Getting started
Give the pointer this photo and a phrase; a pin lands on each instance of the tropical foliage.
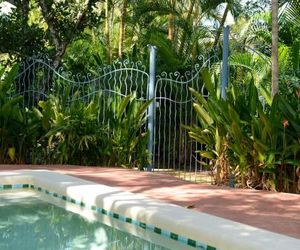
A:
(252, 136)
(257, 145)
(19, 128)
(81, 34)
(71, 131)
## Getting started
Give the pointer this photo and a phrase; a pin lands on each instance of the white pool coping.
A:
(214, 231)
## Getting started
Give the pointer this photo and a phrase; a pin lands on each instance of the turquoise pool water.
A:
(30, 223)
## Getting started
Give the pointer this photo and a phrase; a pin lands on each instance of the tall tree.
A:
(275, 63)
(107, 30)
(19, 37)
(222, 23)
(171, 24)
(58, 25)
(122, 27)
(233, 7)
(188, 20)
(65, 21)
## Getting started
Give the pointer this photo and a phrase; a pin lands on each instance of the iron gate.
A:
(171, 149)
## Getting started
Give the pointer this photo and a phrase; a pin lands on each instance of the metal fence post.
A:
(151, 109)
(225, 68)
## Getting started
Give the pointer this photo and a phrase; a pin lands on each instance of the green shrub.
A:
(246, 140)
(104, 131)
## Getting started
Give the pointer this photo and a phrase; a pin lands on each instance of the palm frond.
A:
(290, 11)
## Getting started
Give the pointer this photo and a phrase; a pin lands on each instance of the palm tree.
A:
(291, 11)
(122, 27)
(275, 64)
(171, 23)
(107, 30)
(188, 20)
(222, 23)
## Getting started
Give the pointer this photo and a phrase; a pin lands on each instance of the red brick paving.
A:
(277, 212)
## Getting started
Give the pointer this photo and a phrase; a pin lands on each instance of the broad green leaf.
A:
(208, 82)
(207, 154)
(203, 115)
(123, 105)
(199, 97)
(12, 153)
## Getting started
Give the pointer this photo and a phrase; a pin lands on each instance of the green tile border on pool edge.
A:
(94, 208)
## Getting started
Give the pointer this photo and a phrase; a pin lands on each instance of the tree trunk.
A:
(107, 32)
(54, 34)
(60, 43)
(25, 8)
(171, 25)
(275, 64)
(122, 27)
(221, 25)
(188, 19)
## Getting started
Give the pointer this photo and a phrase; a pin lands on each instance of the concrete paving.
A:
(276, 212)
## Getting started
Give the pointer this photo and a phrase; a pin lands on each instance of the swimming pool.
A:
(173, 226)
(28, 222)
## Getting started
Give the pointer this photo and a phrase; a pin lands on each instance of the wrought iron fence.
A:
(172, 151)
(38, 79)
(170, 148)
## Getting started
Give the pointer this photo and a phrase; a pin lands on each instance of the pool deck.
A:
(276, 212)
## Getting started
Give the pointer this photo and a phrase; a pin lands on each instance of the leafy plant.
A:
(19, 127)
(79, 132)
(10, 117)
(127, 117)
(210, 132)
(245, 140)
(73, 133)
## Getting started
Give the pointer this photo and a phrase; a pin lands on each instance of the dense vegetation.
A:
(85, 34)
(253, 135)
(63, 130)
(256, 144)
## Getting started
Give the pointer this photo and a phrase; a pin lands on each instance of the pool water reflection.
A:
(30, 223)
